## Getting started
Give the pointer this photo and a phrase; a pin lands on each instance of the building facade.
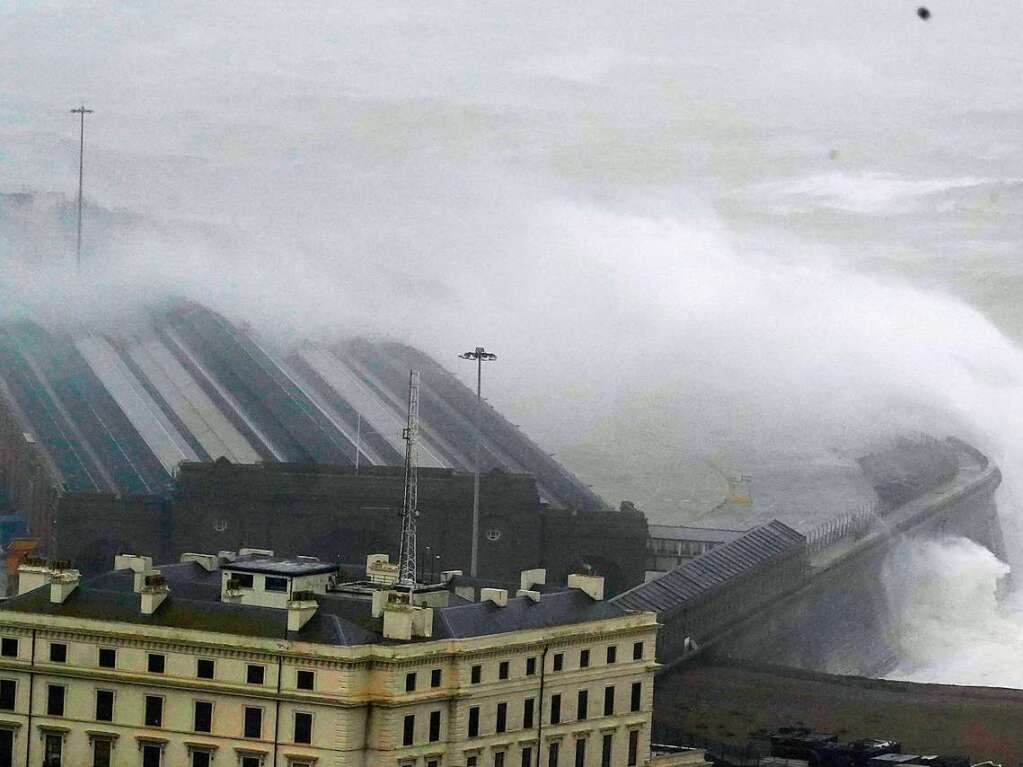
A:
(146, 668)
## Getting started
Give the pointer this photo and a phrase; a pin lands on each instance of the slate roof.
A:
(194, 603)
(713, 569)
(521, 613)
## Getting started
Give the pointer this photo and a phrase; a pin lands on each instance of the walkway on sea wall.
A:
(838, 619)
(828, 612)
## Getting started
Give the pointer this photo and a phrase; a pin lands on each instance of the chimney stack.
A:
(498, 596)
(208, 562)
(301, 607)
(33, 572)
(534, 577)
(153, 592)
(590, 584)
(63, 580)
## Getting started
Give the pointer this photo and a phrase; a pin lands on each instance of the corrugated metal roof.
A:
(713, 568)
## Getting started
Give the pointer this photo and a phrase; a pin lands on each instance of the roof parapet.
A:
(593, 585)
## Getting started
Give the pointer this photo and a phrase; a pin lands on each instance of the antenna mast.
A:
(407, 574)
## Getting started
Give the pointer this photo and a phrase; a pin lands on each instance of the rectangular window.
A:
(156, 663)
(584, 658)
(101, 752)
(303, 727)
(242, 580)
(609, 700)
(9, 647)
(555, 709)
(612, 654)
(8, 688)
(58, 652)
(253, 727)
(435, 678)
(53, 750)
(152, 755)
(530, 666)
(637, 696)
(202, 720)
(476, 674)
(637, 651)
(499, 759)
(527, 713)
(633, 747)
(527, 757)
(502, 717)
(200, 758)
(54, 700)
(474, 722)
(252, 761)
(552, 754)
(408, 735)
(275, 584)
(580, 752)
(107, 657)
(255, 674)
(305, 680)
(559, 661)
(582, 705)
(470, 761)
(104, 705)
(154, 711)
(502, 670)
(410, 682)
(434, 726)
(606, 748)
(204, 668)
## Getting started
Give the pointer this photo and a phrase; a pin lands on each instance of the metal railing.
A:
(853, 524)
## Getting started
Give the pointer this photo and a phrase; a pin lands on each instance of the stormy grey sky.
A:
(688, 229)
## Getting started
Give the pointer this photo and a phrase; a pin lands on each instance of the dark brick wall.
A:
(336, 514)
(613, 543)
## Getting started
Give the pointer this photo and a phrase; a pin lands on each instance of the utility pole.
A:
(481, 355)
(81, 112)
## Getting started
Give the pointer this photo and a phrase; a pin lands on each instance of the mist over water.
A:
(763, 236)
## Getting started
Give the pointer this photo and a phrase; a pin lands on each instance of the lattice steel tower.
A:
(408, 572)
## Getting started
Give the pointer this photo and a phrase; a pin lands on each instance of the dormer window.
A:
(274, 584)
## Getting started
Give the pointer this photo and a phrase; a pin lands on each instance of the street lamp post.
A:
(480, 355)
(81, 112)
